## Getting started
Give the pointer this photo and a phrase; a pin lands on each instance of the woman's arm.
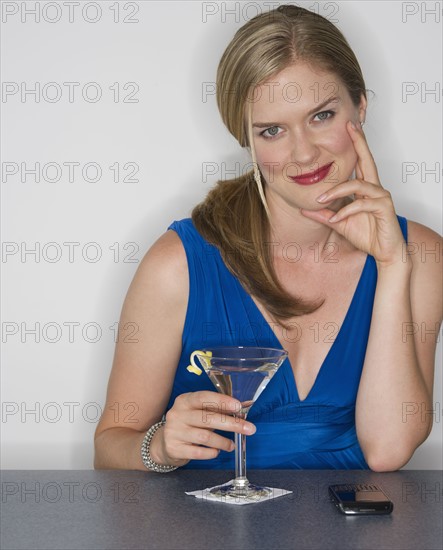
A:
(398, 371)
(394, 408)
(143, 373)
(143, 370)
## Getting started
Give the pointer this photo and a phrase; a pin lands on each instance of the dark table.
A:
(117, 509)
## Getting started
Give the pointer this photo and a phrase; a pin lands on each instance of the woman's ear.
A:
(362, 109)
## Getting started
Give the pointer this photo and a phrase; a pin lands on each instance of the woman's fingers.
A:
(358, 171)
(360, 187)
(190, 424)
(210, 410)
(196, 444)
(365, 160)
(199, 399)
(359, 205)
(369, 222)
(216, 418)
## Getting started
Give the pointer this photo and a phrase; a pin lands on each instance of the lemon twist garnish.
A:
(194, 370)
(193, 367)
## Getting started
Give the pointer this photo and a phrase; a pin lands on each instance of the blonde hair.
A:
(234, 215)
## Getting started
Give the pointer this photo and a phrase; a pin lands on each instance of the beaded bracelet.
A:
(146, 456)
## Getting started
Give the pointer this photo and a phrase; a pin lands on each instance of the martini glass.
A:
(243, 373)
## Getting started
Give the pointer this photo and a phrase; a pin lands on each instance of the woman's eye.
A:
(325, 115)
(271, 132)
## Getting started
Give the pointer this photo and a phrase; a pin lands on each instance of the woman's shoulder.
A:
(168, 246)
(166, 255)
(163, 273)
(418, 233)
(424, 245)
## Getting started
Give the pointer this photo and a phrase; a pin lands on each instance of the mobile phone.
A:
(360, 499)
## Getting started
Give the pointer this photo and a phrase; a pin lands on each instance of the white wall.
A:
(173, 137)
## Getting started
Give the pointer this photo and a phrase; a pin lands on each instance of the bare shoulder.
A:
(168, 247)
(157, 301)
(424, 247)
(425, 250)
(418, 231)
(164, 268)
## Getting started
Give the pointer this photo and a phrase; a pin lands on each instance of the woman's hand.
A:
(189, 430)
(369, 222)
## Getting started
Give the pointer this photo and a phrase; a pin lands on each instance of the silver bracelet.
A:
(146, 456)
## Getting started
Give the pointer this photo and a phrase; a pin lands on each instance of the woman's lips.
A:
(312, 177)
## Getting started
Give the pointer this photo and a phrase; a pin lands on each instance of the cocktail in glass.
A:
(243, 373)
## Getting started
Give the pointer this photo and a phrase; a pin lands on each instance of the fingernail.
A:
(334, 218)
(249, 429)
(322, 197)
(353, 125)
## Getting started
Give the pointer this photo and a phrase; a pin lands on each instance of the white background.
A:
(175, 137)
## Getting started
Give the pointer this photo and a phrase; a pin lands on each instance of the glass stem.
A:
(240, 459)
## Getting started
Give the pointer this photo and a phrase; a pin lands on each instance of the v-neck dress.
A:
(315, 433)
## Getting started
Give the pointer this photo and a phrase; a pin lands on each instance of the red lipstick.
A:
(312, 177)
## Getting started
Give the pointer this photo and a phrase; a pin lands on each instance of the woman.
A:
(305, 252)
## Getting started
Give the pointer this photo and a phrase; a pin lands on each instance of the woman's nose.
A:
(304, 150)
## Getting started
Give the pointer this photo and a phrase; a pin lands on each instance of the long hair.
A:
(234, 215)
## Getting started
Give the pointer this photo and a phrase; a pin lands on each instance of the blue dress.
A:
(316, 433)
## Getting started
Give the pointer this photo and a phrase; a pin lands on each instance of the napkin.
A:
(207, 495)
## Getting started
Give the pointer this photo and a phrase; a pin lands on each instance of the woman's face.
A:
(301, 142)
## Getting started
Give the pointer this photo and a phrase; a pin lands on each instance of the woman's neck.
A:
(290, 228)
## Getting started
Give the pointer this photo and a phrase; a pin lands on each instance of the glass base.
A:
(246, 490)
